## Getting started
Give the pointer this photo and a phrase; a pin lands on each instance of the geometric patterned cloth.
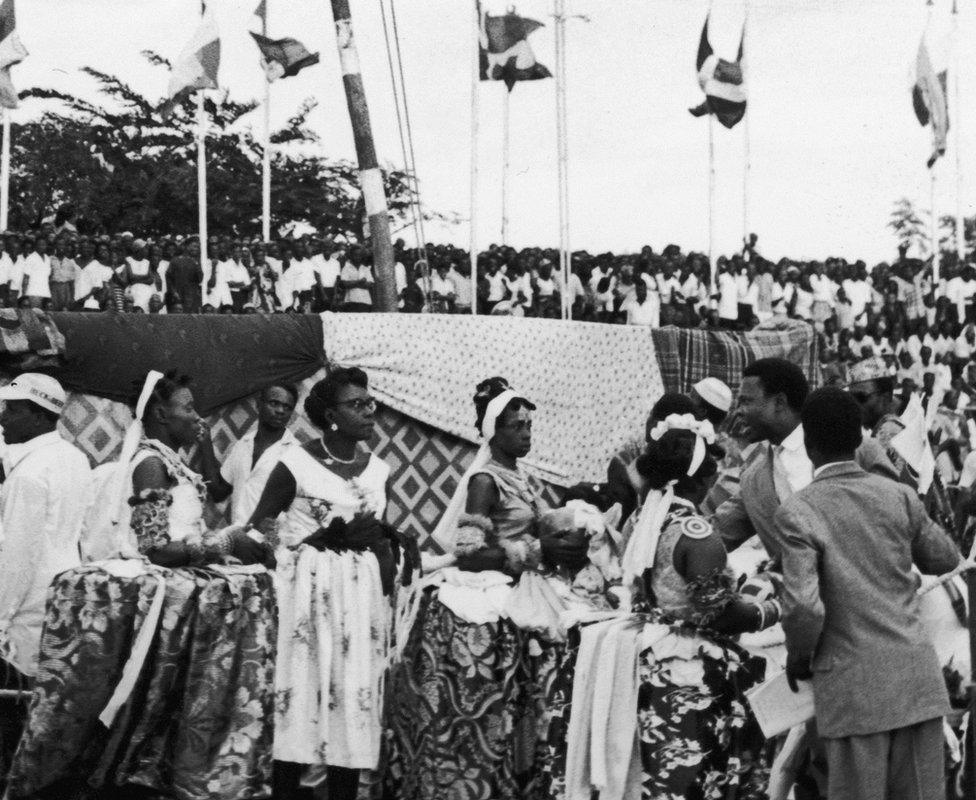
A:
(593, 384)
(687, 355)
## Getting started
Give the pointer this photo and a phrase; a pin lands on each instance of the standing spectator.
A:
(356, 281)
(93, 275)
(36, 284)
(462, 288)
(327, 270)
(441, 290)
(64, 273)
(6, 271)
(237, 278)
(728, 295)
(138, 276)
(642, 307)
(547, 292)
(184, 278)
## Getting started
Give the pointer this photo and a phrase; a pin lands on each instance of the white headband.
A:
(148, 388)
(698, 456)
(494, 410)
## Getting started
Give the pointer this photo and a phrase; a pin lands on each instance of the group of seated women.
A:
(544, 653)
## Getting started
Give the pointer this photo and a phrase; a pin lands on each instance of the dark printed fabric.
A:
(198, 723)
(559, 701)
(687, 355)
(699, 741)
(229, 357)
(467, 710)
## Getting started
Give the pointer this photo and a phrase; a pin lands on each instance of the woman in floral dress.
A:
(696, 736)
(155, 675)
(336, 570)
(465, 698)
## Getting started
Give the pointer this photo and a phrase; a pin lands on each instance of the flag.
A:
(912, 443)
(282, 58)
(262, 11)
(11, 52)
(930, 101)
(504, 53)
(723, 84)
(196, 67)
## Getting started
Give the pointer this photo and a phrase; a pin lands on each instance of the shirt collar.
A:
(794, 441)
(16, 453)
(818, 470)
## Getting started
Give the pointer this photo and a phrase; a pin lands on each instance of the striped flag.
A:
(930, 101)
(723, 83)
(11, 52)
(504, 51)
(196, 67)
(282, 58)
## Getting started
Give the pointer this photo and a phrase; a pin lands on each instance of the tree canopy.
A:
(125, 167)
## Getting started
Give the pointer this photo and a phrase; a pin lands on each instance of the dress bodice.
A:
(519, 502)
(321, 495)
(186, 511)
(670, 591)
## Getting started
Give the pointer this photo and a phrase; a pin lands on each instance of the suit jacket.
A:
(751, 512)
(849, 541)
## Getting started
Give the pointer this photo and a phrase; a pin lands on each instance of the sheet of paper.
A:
(777, 707)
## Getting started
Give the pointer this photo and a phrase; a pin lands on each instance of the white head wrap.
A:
(642, 545)
(447, 525)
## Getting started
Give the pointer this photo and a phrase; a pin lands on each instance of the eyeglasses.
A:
(360, 404)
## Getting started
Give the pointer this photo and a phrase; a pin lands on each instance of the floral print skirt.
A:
(198, 722)
(467, 717)
(697, 739)
(333, 638)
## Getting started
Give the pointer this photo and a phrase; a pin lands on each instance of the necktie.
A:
(780, 478)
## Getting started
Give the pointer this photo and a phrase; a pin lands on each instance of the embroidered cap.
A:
(715, 393)
(41, 390)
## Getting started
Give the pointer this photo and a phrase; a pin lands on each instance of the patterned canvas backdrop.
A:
(425, 463)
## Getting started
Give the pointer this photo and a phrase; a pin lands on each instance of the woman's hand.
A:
(247, 550)
(565, 549)
(487, 558)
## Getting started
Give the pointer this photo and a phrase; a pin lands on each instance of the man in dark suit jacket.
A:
(851, 614)
(771, 397)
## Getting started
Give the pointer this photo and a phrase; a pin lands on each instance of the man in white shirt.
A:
(858, 291)
(728, 296)
(462, 289)
(245, 471)
(642, 307)
(327, 270)
(42, 506)
(356, 279)
(37, 274)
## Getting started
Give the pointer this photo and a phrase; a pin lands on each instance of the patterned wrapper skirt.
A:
(198, 722)
(697, 738)
(466, 716)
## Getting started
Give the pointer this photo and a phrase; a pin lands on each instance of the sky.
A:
(833, 141)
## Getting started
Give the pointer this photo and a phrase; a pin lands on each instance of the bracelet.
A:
(762, 615)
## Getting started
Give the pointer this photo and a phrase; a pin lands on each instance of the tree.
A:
(908, 227)
(124, 167)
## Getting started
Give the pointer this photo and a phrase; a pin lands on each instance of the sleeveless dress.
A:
(696, 737)
(197, 722)
(333, 623)
(466, 701)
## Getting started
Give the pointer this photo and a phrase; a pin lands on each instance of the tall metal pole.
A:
(266, 156)
(934, 232)
(5, 171)
(506, 129)
(957, 135)
(475, 81)
(370, 176)
(748, 154)
(562, 144)
(711, 202)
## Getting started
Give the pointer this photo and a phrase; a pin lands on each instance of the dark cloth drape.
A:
(229, 357)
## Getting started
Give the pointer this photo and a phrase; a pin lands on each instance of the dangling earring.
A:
(333, 427)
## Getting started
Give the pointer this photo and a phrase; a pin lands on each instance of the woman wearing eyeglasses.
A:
(336, 567)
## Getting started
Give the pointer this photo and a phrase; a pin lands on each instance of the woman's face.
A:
(513, 432)
(354, 413)
(180, 417)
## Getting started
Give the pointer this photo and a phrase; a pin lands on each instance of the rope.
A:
(406, 139)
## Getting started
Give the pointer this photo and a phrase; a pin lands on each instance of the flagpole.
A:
(266, 155)
(202, 178)
(5, 171)
(748, 154)
(711, 202)
(559, 11)
(370, 175)
(506, 128)
(934, 233)
(957, 127)
(475, 80)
